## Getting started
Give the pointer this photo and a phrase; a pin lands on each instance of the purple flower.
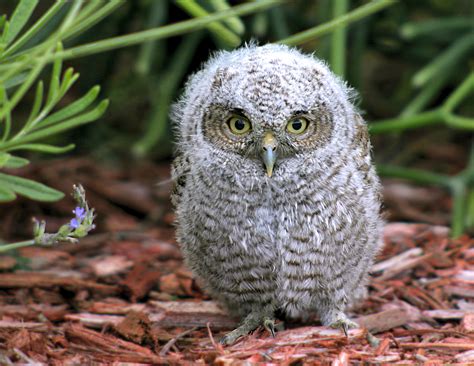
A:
(80, 213)
(74, 224)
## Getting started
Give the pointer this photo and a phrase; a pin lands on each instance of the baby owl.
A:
(277, 201)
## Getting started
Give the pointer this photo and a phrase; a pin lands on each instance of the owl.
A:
(276, 198)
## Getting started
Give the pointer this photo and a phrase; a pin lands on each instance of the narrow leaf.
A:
(55, 77)
(6, 194)
(74, 108)
(10, 161)
(19, 18)
(37, 103)
(44, 148)
(29, 188)
(35, 28)
(63, 126)
(4, 158)
(16, 162)
(15, 80)
(3, 20)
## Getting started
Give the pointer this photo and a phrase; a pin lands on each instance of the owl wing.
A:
(362, 144)
(179, 172)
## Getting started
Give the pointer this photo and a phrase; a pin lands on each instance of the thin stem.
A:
(89, 21)
(466, 87)
(458, 190)
(161, 32)
(416, 175)
(357, 14)
(415, 29)
(234, 23)
(338, 39)
(21, 244)
(156, 17)
(407, 122)
(157, 123)
(445, 61)
(425, 96)
(229, 38)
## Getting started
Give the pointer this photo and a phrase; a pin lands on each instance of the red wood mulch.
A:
(123, 294)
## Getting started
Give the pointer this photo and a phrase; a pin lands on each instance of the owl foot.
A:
(249, 324)
(345, 324)
(269, 325)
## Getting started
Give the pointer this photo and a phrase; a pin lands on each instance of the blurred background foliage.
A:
(411, 62)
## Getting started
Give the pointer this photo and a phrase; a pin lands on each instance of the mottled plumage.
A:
(301, 240)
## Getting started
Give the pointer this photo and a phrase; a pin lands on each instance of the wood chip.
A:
(396, 260)
(40, 280)
(444, 314)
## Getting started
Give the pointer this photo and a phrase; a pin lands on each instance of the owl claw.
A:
(249, 324)
(269, 325)
(344, 324)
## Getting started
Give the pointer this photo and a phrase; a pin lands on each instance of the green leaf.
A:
(29, 188)
(19, 18)
(44, 148)
(3, 20)
(37, 103)
(10, 161)
(74, 108)
(84, 118)
(6, 194)
(55, 77)
(35, 28)
(16, 80)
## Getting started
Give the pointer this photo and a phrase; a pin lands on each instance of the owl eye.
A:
(297, 125)
(239, 125)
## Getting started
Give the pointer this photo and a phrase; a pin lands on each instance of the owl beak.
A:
(269, 153)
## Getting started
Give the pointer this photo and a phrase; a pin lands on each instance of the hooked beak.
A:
(269, 153)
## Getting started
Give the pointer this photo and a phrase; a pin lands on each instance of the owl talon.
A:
(269, 325)
(344, 324)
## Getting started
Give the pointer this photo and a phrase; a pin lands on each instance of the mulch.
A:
(123, 294)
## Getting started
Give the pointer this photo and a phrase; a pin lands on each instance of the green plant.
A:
(45, 118)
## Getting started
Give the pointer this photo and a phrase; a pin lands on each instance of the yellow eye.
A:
(297, 125)
(239, 125)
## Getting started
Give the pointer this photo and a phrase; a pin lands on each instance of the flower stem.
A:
(21, 244)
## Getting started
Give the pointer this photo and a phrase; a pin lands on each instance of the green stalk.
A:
(21, 244)
(407, 122)
(156, 17)
(445, 61)
(89, 21)
(415, 29)
(416, 175)
(234, 23)
(161, 32)
(338, 39)
(353, 16)
(168, 84)
(425, 96)
(466, 87)
(458, 191)
(228, 38)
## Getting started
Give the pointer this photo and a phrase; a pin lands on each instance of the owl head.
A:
(265, 107)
